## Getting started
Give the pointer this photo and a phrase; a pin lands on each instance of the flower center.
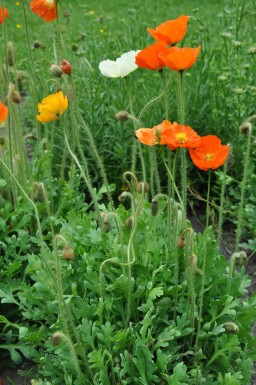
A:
(181, 137)
(208, 157)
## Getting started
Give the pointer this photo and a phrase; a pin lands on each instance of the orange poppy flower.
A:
(180, 136)
(179, 59)
(149, 57)
(172, 31)
(210, 153)
(3, 14)
(3, 112)
(153, 136)
(46, 9)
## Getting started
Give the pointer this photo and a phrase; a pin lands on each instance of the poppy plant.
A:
(172, 31)
(150, 58)
(120, 67)
(3, 14)
(179, 59)
(46, 9)
(210, 153)
(3, 112)
(180, 136)
(52, 107)
(153, 136)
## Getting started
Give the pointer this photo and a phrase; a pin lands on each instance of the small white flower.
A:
(120, 67)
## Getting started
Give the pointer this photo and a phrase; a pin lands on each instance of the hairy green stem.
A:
(201, 298)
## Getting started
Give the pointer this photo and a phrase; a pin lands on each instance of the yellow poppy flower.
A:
(52, 107)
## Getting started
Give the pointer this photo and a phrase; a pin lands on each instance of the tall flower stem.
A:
(181, 114)
(88, 184)
(165, 94)
(135, 143)
(93, 147)
(222, 199)
(201, 298)
(243, 186)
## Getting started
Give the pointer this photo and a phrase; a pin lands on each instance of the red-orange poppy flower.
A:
(3, 14)
(210, 153)
(3, 112)
(153, 136)
(180, 136)
(46, 9)
(149, 57)
(179, 59)
(172, 31)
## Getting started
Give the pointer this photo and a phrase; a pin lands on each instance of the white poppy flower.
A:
(120, 67)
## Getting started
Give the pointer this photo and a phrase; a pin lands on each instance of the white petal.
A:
(109, 68)
(127, 63)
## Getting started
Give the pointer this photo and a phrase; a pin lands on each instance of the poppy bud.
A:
(245, 128)
(181, 242)
(15, 96)
(56, 338)
(68, 253)
(36, 44)
(231, 328)
(11, 54)
(2, 141)
(129, 223)
(39, 192)
(66, 14)
(154, 208)
(66, 67)
(142, 187)
(74, 47)
(106, 227)
(122, 116)
(55, 70)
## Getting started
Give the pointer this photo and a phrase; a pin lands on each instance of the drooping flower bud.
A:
(245, 128)
(231, 327)
(129, 223)
(55, 70)
(39, 192)
(66, 67)
(68, 253)
(15, 97)
(56, 338)
(122, 116)
(154, 208)
(142, 187)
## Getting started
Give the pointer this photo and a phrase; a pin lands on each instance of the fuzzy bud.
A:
(66, 67)
(68, 253)
(55, 70)
(122, 116)
(11, 54)
(142, 187)
(106, 227)
(231, 328)
(129, 223)
(56, 338)
(181, 242)
(245, 128)
(15, 97)
(38, 192)
(154, 208)
(36, 44)
(2, 141)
